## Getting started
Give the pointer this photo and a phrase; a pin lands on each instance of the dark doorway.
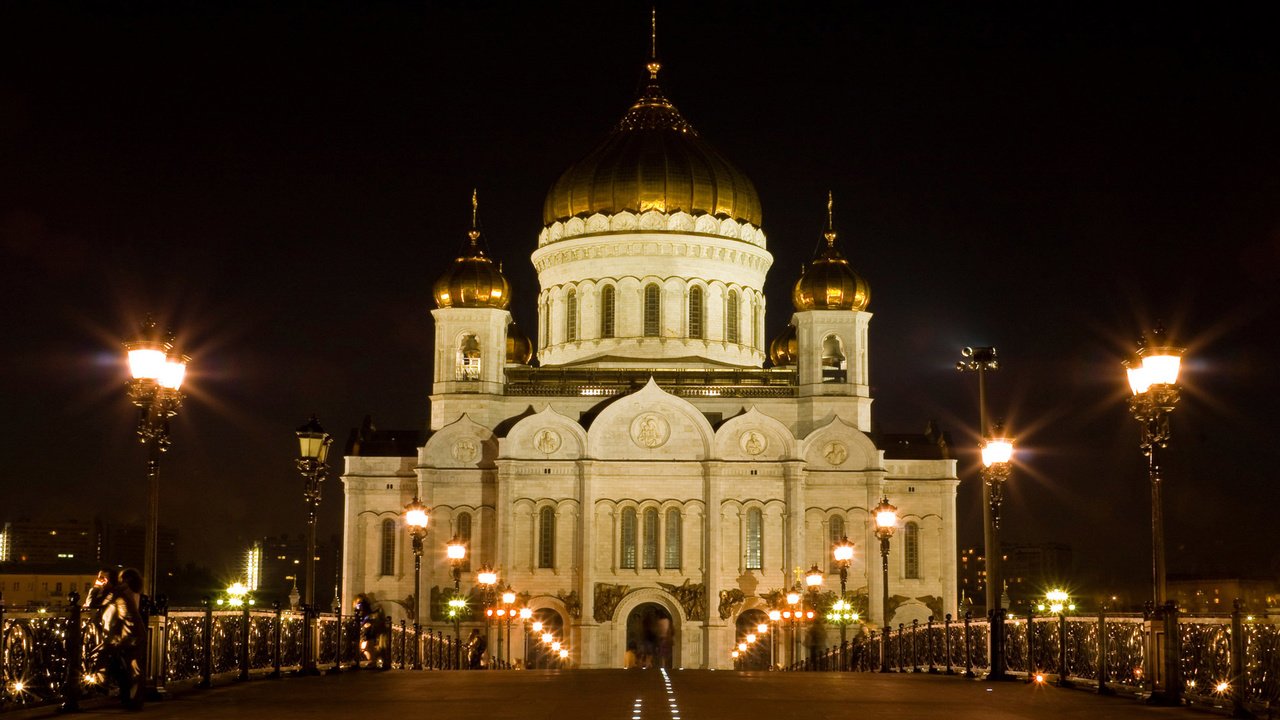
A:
(539, 654)
(759, 654)
(651, 636)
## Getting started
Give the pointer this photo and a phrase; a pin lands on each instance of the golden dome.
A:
(653, 160)
(473, 280)
(784, 350)
(519, 349)
(829, 283)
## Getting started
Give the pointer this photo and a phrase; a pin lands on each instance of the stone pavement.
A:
(642, 695)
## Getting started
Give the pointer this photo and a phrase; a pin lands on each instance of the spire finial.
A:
(654, 66)
(475, 206)
(830, 234)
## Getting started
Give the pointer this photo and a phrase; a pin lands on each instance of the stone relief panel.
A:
(460, 444)
(840, 446)
(546, 435)
(754, 436)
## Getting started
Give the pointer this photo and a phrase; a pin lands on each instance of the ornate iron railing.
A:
(45, 655)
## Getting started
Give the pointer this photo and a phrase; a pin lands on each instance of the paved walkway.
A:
(643, 695)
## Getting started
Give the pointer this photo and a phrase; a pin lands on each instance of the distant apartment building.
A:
(51, 543)
(272, 565)
(1029, 570)
(25, 586)
(1197, 595)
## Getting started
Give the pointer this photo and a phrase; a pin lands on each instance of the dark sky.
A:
(282, 183)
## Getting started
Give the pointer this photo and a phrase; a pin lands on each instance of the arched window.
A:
(833, 359)
(757, 335)
(696, 312)
(731, 317)
(671, 546)
(652, 310)
(911, 550)
(755, 539)
(571, 316)
(464, 534)
(650, 539)
(547, 537)
(387, 566)
(628, 540)
(469, 358)
(606, 311)
(836, 534)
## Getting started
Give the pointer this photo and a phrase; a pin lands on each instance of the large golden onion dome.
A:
(473, 280)
(519, 349)
(829, 283)
(653, 160)
(784, 350)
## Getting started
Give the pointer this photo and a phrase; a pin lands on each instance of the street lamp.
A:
(886, 517)
(997, 452)
(1058, 602)
(416, 520)
(157, 372)
(487, 579)
(842, 553)
(1153, 379)
(313, 452)
(507, 612)
(775, 617)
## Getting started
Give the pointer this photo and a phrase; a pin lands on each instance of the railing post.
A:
(929, 645)
(946, 637)
(440, 649)
(1238, 678)
(902, 659)
(337, 652)
(915, 646)
(277, 630)
(404, 636)
(430, 661)
(244, 642)
(1172, 655)
(206, 629)
(74, 646)
(1104, 673)
(844, 655)
(1031, 644)
(968, 647)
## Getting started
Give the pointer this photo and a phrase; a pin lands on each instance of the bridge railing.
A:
(1223, 658)
(45, 655)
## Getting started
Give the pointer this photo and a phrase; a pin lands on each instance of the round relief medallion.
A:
(650, 430)
(548, 441)
(466, 451)
(835, 453)
(752, 442)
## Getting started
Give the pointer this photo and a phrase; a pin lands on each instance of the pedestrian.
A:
(372, 624)
(125, 637)
(476, 645)
(629, 661)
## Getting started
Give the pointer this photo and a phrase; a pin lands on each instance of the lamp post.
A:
(1058, 602)
(886, 516)
(997, 451)
(813, 580)
(487, 579)
(506, 612)
(157, 372)
(842, 553)
(775, 617)
(794, 611)
(313, 452)
(1153, 379)
(526, 614)
(416, 519)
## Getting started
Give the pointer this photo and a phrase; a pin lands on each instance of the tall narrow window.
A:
(387, 566)
(547, 537)
(628, 558)
(544, 324)
(836, 534)
(606, 311)
(755, 544)
(650, 539)
(731, 317)
(469, 358)
(757, 335)
(571, 316)
(696, 312)
(671, 546)
(464, 534)
(911, 550)
(652, 310)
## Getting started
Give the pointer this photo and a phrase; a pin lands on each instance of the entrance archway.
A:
(759, 654)
(651, 635)
(539, 654)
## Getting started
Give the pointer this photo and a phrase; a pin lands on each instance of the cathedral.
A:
(661, 475)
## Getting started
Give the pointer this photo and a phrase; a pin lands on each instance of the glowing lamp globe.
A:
(536, 627)
(173, 371)
(762, 628)
(751, 637)
(508, 596)
(886, 518)
(547, 638)
(456, 549)
(313, 441)
(842, 552)
(742, 647)
(997, 450)
(555, 646)
(813, 578)
(486, 576)
(564, 653)
(775, 615)
(526, 613)
(415, 516)
(793, 598)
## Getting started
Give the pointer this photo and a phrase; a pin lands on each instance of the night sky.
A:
(282, 183)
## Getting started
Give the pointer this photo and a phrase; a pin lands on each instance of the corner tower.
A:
(651, 251)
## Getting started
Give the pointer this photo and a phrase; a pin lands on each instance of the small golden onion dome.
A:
(653, 160)
(784, 350)
(829, 283)
(519, 349)
(473, 280)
